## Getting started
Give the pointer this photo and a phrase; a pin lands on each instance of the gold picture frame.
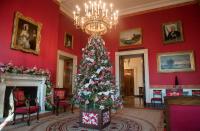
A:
(68, 40)
(26, 34)
(175, 62)
(172, 32)
(130, 38)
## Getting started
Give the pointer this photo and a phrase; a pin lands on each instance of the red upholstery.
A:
(174, 92)
(19, 96)
(22, 105)
(184, 118)
(196, 92)
(22, 110)
(156, 99)
(60, 94)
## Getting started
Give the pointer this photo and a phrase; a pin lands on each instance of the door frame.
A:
(146, 69)
(74, 57)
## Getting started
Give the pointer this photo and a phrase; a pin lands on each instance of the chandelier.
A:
(97, 17)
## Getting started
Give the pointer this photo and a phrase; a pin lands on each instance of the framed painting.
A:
(26, 34)
(172, 32)
(176, 62)
(131, 38)
(68, 40)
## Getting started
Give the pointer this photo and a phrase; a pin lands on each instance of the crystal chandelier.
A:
(97, 18)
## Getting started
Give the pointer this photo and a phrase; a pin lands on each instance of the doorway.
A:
(66, 69)
(132, 77)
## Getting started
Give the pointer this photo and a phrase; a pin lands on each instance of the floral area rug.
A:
(70, 122)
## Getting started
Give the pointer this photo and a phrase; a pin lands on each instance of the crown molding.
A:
(152, 5)
(135, 9)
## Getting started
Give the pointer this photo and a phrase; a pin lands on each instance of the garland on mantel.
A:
(11, 68)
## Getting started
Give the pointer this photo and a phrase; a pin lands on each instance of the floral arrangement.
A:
(11, 68)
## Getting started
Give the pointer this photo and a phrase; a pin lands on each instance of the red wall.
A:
(151, 24)
(66, 25)
(44, 11)
(56, 24)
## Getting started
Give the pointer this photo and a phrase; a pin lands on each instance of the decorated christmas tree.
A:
(94, 83)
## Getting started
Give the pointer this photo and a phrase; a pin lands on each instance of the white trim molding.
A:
(74, 57)
(146, 69)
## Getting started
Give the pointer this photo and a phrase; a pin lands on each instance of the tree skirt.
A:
(70, 122)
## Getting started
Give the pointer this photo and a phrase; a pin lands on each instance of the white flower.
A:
(87, 85)
(93, 76)
(87, 102)
(86, 93)
(100, 93)
(90, 59)
(101, 107)
(98, 71)
(106, 93)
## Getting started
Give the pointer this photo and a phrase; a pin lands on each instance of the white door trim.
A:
(146, 69)
(74, 57)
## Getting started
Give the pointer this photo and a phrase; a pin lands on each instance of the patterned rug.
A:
(117, 124)
(70, 122)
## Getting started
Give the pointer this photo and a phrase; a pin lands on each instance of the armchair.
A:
(61, 100)
(22, 105)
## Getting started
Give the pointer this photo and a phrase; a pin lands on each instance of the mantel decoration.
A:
(13, 69)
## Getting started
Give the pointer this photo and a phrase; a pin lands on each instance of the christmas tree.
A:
(94, 82)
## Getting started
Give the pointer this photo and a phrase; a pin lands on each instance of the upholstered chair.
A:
(23, 106)
(61, 100)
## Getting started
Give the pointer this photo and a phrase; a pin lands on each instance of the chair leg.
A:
(65, 108)
(54, 109)
(29, 118)
(72, 108)
(38, 115)
(14, 117)
(57, 111)
(22, 117)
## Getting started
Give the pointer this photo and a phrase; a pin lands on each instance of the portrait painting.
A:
(26, 34)
(172, 32)
(176, 62)
(68, 40)
(131, 38)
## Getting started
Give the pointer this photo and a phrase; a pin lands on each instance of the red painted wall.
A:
(44, 11)
(151, 24)
(56, 24)
(66, 26)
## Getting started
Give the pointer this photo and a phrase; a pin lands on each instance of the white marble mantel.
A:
(23, 80)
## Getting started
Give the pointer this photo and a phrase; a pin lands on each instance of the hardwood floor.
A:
(133, 102)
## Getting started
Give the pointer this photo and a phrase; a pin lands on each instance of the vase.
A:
(95, 118)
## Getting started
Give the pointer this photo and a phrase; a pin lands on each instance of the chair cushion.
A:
(63, 103)
(60, 94)
(23, 110)
(157, 92)
(156, 99)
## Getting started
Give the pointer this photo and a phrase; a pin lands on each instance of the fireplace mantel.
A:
(22, 80)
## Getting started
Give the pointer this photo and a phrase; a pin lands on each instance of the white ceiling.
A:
(125, 7)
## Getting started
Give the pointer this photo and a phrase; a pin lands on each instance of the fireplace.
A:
(32, 85)
(29, 91)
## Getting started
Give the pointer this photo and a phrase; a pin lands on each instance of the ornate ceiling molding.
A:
(67, 6)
